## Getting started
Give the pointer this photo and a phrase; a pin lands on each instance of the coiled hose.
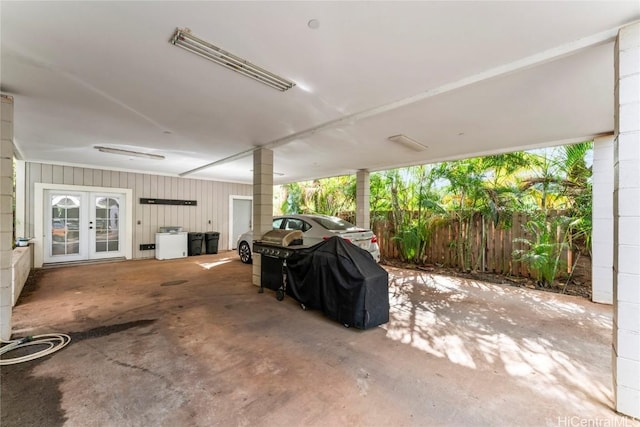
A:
(53, 343)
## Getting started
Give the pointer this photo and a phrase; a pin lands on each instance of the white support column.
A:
(6, 215)
(362, 199)
(626, 224)
(602, 219)
(262, 201)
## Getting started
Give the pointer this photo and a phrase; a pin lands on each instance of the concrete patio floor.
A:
(191, 342)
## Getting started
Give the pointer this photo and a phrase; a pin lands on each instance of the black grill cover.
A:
(342, 280)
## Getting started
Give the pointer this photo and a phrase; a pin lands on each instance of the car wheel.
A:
(245, 253)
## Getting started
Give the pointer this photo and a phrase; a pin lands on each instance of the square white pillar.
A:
(626, 223)
(602, 220)
(362, 199)
(6, 212)
(262, 201)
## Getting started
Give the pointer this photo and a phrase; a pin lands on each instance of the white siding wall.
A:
(211, 213)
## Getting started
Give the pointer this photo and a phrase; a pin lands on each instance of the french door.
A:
(82, 225)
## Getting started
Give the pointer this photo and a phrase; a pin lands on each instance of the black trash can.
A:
(194, 243)
(211, 241)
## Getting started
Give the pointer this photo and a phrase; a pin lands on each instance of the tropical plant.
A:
(579, 192)
(544, 249)
(407, 205)
(329, 196)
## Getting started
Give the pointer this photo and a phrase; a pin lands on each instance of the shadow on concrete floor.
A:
(191, 342)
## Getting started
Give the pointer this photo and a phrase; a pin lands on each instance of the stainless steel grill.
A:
(275, 247)
(278, 243)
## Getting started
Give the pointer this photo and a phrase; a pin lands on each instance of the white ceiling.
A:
(464, 78)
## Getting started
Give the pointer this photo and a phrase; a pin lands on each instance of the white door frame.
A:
(122, 231)
(39, 216)
(231, 199)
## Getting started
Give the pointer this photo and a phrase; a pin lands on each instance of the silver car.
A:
(316, 228)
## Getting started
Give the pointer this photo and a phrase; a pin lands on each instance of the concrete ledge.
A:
(21, 266)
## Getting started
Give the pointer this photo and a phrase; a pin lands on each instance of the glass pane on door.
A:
(65, 224)
(107, 226)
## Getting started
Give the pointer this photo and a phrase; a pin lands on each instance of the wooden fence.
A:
(489, 246)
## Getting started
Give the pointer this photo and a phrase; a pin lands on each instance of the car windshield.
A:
(333, 223)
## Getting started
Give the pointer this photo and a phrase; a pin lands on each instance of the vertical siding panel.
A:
(201, 212)
(78, 176)
(216, 220)
(97, 178)
(213, 216)
(122, 182)
(208, 200)
(225, 192)
(67, 175)
(47, 173)
(210, 214)
(87, 178)
(34, 175)
(153, 186)
(115, 179)
(153, 211)
(176, 211)
(28, 194)
(187, 211)
(204, 208)
(168, 189)
(147, 229)
(143, 220)
(107, 178)
(220, 194)
(153, 222)
(198, 209)
(135, 211)
(168, 183)
(183, 212)
(160, 194)
(193, 210)
(58, 175)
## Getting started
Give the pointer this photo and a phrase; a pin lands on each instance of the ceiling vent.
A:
(184, 39)
(407, 142)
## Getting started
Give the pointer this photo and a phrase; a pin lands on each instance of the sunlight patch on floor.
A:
(210, 265)
(429, 313)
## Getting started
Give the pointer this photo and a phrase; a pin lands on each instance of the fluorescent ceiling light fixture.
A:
(184, 39)
(129, 153)
(407, 142)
